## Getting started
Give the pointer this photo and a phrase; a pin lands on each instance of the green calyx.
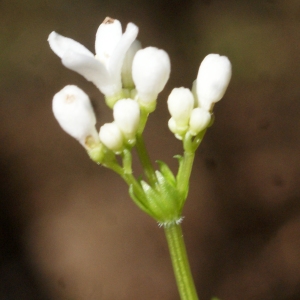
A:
(148, 107)
(97, 153)
(111, 100)
(163, 201)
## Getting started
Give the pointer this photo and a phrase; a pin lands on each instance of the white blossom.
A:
(111, 136)
(150, 72)
(199, 120)
(180, 105)
(104, 69)
(213, 78)
(126, 114)
(73, 111)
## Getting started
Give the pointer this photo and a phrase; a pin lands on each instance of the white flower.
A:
(180, 105)
(73, 111)
(199, 120)
(111, 136)
(150, 72)
(213, 78)
(104, 69)
(127, 117)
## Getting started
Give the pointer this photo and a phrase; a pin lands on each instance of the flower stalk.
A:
(181, 266)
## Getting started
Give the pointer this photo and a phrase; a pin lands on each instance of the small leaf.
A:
(154, 202)
(166, 172)
(139, 202)
(168, 192)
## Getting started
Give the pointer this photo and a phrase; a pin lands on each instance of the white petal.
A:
(118, 55)
(111, 136)
(213, 78)
(73, 110)
(150, 71)
(180, 105)
(93, 70)
(60, 45)
(127, 65)
(108, 36)
(127, 116)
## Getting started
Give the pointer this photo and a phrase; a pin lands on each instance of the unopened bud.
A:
(178, 131)
(199, 120)
(127, 117)
(180, 105)
(73, 111)
(150, 72)
(111, 136)
(213, 78)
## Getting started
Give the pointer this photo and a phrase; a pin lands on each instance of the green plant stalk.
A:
(145, 160)
(181, 267)
(185, 170)
(173, 232)
(142, 151)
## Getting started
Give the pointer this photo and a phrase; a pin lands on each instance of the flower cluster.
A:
(191, 110)
(130, 78)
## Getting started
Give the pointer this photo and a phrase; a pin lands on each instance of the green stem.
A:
(145, 160)
(184, 172)
(181, 267)
(142, 151)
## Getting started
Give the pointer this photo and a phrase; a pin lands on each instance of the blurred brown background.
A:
(68, 229)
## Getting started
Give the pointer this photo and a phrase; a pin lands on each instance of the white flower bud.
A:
(127, 80)
(111, 136)
(73, 111)
(180, 105)
(127, 116)
(194, 92)
(179, 132)
(150, 72)
(213, 78)
(172, 125)
(199, 120)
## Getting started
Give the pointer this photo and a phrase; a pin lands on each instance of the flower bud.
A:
(194, 92)
(213, 78)
(127, 80)
(172, 125)
(111, 136)
(180, 105)
(127, 116)
(150, 72)
(178, 131)
(199, 120)
(73, 111)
